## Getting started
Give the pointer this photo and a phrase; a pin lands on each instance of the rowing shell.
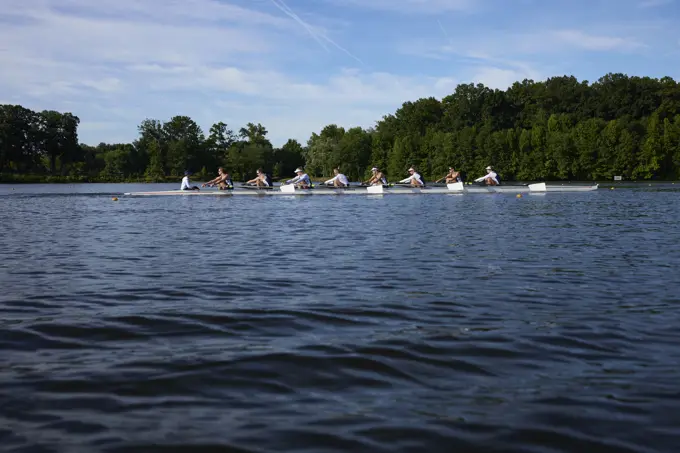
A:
(455, 188)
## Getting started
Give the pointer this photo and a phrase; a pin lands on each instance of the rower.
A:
(414, 179)
(223, 180)
(186, 184)
(339, 180)
(377, 179)
(491, 178)
(302, 180)
(451, 176)
(261, 180)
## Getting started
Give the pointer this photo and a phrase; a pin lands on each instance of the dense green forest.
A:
(558, 129)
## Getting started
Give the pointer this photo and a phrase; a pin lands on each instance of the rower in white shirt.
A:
(491, 178)
(301, 181)
(414, 179)
(339, 180)
(186, 184)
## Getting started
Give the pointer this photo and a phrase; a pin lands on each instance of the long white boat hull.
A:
(452, 189)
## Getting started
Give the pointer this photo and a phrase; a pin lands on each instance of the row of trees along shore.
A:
(558, 129)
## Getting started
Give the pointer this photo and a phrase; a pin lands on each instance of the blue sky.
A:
(297, 65)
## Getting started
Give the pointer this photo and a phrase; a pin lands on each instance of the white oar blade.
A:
(456, 186)
(288, 188)
(375, 189)
(538, 187)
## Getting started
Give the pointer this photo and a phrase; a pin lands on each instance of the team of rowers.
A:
(302, 181)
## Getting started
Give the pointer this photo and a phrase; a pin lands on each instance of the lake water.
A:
(476, 323)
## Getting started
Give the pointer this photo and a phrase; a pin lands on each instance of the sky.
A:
(297, 65)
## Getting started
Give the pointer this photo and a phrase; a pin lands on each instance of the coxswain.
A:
(451, 176)
(261, 180)
(415, 179)
(378, 178)
(223, 180)
(186, 184)
(491, 178)
(302, 180)
(339, 180)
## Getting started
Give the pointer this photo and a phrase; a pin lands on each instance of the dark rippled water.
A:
(475, 323)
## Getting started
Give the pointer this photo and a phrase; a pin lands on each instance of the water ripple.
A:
(189, 324)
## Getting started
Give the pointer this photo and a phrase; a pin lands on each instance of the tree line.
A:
(557, 129)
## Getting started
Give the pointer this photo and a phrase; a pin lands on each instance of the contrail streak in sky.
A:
(444, 31)
(287, 11)
(280, 4)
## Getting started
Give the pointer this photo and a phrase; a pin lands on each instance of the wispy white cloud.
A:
(349, 87)
(100, 40)
(105, 85)
(411, 6)
(510, 48)
(153, 11)
(480, 66)
(654, 3)
(584, 40)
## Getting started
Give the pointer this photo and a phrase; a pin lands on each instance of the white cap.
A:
(374, 169)
(299, 170)
(410, 169)
(489, 168)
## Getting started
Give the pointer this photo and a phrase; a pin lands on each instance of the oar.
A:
(254, 186)
(329, 186)
(407, 185)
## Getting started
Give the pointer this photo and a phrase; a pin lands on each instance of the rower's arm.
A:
(331, 180)
(407, 179)
(491, 175)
